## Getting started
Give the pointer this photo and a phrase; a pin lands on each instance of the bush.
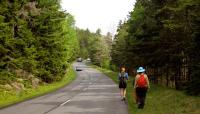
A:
(113, 67)
(106, 64)
(6, 77)
(46, 76)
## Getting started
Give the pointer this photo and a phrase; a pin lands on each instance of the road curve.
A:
(91, 93)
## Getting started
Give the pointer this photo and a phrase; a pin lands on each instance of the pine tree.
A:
(36, 37)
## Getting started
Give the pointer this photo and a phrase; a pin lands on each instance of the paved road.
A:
(91, 93)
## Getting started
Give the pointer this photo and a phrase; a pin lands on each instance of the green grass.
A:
(11, 97)
(160, 100)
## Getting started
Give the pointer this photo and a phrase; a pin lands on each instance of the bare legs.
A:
(123, 93)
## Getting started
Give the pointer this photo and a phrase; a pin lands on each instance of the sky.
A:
(94, 14)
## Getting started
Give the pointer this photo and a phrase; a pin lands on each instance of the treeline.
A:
(164, 37)
(37, 39)
(95, 46)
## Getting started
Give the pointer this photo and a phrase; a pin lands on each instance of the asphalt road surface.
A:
(91, 93)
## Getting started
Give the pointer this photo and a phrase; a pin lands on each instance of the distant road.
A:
(91, 93)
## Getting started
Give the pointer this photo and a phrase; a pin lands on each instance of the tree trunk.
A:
(167, 76)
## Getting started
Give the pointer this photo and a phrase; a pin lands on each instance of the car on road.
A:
(79, 59)
(78, 69)
(88, 59)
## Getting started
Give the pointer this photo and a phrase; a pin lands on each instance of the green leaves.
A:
(36, 37)
(95, 46)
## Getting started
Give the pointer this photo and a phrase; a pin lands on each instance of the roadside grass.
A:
(160, 100)
(11, 97)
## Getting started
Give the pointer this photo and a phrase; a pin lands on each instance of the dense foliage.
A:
(163, 36)
(36, 37)
(95, 46)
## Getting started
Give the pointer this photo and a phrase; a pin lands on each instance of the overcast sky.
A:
(94, 14)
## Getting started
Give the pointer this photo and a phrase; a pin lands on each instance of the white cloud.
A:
(94, 14)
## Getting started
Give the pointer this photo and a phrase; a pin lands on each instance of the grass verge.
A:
(11, 97)
(160, 100)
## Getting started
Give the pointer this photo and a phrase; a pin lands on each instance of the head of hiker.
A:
(140, 70)
(123, 69)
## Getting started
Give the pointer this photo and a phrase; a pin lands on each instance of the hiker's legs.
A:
(124, 92)
(143, 96)
(121, 92)
(138, 95)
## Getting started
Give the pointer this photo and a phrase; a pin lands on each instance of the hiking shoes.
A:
(123, 99)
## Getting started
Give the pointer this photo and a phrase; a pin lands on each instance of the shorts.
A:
(122, 84)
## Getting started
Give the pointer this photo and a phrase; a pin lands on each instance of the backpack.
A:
(122, 77)
(141, 82)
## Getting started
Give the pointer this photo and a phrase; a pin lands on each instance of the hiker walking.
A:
(141, 86)
(123, 77)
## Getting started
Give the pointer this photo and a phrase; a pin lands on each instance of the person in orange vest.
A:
(141, 85)
(123, 77)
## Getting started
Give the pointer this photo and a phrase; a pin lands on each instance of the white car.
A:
(88, 59)
(79, 60)
(78, 69)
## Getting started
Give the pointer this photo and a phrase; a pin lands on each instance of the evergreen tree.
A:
(37, 38)
(163, 37)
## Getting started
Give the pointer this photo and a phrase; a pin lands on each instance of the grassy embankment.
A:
(11, 97)
(160, 100)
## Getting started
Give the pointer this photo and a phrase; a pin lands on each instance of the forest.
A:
(38, 40)
(163, 36)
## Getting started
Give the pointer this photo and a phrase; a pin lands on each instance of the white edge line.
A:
(65, 102)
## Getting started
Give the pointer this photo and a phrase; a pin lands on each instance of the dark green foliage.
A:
(84, 41)
(119, 53)
(194, 83)
(37, 37)
(163, 36)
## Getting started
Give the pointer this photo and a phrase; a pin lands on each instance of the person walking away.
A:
(141, 85)
(123, 77)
